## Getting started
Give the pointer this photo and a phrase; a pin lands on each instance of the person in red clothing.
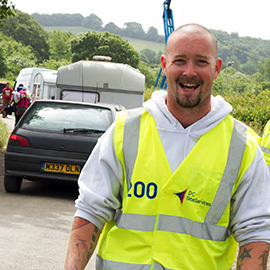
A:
(22, 103)
(7, 98)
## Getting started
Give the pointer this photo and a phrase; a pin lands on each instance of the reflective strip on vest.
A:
(209, 231)
(102, 264)
(265, 149)
(266, 153)
(131, 141)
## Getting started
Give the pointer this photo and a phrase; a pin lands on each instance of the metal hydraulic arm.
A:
(168, 29)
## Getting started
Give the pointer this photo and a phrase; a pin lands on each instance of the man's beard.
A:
(188, 103)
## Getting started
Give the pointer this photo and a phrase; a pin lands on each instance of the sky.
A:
(246, 17)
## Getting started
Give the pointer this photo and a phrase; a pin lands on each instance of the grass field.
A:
(137, 44)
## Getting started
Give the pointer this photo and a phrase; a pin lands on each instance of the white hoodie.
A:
(101, 179)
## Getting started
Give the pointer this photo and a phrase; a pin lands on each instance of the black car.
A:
(53, 140)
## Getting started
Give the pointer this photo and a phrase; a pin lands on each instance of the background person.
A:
(22, 100)
(16, 97)
(7, 98)
(177, 184)
(265, 144)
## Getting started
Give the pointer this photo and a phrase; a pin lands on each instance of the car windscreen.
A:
(67, 118)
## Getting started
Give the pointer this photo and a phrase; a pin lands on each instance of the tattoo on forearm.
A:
(242, 256)
(264, 257)
(245, 254)
(80, 223)
(80, 253)
(83, 246)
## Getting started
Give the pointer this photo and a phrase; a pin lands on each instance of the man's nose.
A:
(190, 70)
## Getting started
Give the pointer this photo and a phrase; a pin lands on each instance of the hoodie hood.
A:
(166, 121)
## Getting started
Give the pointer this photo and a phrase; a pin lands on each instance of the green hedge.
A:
(3, 135)
(250, 108)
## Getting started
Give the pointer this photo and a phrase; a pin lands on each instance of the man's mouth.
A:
(189, 86)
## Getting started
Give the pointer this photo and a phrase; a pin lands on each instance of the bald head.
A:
(191, 29)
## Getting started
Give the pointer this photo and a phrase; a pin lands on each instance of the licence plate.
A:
(60, 168)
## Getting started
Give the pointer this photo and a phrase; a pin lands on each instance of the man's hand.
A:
(253, 256)
(82, 242)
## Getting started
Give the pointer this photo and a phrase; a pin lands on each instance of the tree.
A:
(25, 29)
(113, 28)
(152, 35)
(93, 22)
(134, 30)
(150, 77)
(150, 55)
(6, 10)
(16, 55)
(92, 43)
(3, 66)
(59, 42)
(59, 19)
(264, 69)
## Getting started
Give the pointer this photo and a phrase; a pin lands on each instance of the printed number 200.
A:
(140, 190)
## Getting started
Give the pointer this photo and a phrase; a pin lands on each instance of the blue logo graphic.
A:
(181, 195)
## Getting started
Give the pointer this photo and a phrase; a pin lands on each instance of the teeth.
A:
(190, 85)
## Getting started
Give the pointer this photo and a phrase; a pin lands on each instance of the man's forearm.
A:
(82, 242)
(253, 256)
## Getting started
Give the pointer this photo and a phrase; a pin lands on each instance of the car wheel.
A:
(12, 183)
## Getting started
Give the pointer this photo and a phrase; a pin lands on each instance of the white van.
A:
(26, 77)
(45, 85)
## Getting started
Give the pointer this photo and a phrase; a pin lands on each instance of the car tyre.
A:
(12, 183)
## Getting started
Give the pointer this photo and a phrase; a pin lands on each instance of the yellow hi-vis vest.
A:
(265, 144)
(180, 220)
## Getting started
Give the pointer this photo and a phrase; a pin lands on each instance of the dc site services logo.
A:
(191, 197)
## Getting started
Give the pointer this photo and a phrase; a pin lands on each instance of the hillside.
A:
(137, 44)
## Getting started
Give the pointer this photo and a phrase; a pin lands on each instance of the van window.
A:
(80, 96)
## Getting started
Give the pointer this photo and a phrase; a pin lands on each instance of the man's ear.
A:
(163, 64)
(218, 67)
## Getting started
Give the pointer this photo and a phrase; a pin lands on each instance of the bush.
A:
(251, 108)
(3, 135)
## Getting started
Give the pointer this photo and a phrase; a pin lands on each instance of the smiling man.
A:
(190, 65)
(179, 183)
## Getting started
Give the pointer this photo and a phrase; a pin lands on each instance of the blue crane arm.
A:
(168, 29)
(167, 19)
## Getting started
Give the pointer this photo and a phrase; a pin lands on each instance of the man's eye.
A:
(202, 62)
(179, 61)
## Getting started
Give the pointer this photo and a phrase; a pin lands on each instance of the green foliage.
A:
(6, 10)
(248, 51)
(134, 30)
(232, 81)
(113, 28)
(26, 30)
(59, 19)
(3, 135)
(16, 55)
(92, 43)
(147, 93)
(152, 34)
(93, 22)
(59, 42)
(148, 73)
(55, 64)
(151, 56)
(131, 29)
(3, 66)
(251, 108)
